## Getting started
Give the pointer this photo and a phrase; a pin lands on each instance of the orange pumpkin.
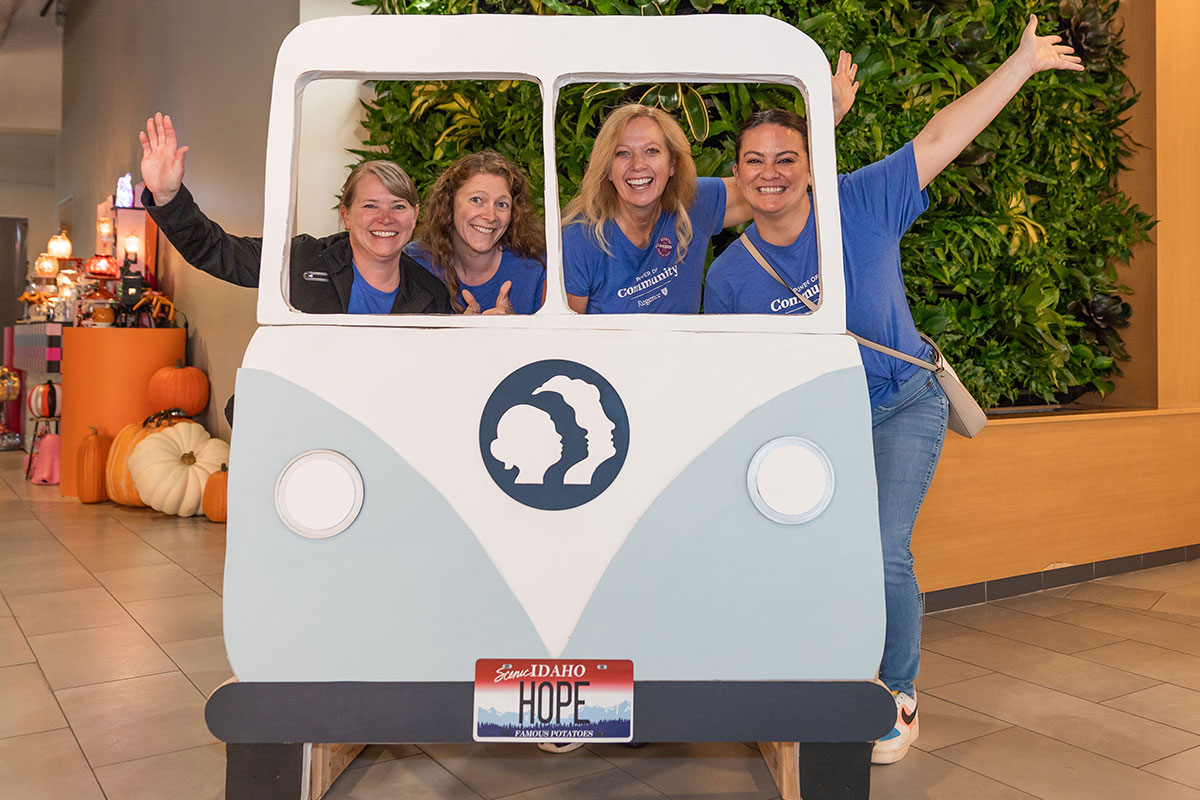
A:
(90, 460)
(179, 386)
(216, 491)
(117, 479)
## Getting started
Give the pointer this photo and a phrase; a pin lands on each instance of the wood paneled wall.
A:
(1177, 83)
(1039, 493)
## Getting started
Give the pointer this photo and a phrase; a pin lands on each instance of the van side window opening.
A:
(475, 221)
(645, 184)
(472, 219)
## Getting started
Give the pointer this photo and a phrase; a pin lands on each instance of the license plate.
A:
(553, 700)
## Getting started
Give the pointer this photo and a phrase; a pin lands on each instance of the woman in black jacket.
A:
(361, 270)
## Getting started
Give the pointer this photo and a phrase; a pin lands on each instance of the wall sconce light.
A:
(46, 266)
(59, 245)
(100, 266)
(106, 230)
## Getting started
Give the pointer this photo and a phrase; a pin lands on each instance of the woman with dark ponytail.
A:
(878, 204)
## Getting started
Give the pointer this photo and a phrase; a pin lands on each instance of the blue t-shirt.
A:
(366, 299)
(653, 280)
(528, 276)
(878, 204)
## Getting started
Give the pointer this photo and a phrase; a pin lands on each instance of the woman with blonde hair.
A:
(636, 237)
(482, 238)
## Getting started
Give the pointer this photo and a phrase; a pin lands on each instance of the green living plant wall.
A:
(1013, 269)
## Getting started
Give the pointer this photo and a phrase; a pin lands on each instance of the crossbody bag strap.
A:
(762, 262)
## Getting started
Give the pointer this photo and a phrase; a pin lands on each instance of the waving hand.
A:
(162, 159)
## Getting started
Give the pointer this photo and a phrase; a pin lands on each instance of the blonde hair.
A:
(393, 178)
(597, 202)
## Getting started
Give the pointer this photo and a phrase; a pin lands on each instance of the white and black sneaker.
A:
(894, 746)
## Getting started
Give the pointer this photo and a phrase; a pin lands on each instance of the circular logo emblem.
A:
(554, 435)
(663, 246)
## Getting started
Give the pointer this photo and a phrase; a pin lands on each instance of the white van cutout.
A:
(454, 551)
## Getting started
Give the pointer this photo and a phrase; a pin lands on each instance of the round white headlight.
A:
(790, 480)
(319, 494)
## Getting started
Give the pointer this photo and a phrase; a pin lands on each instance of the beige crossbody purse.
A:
(966, 417)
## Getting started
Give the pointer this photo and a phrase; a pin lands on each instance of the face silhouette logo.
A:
(554, 435)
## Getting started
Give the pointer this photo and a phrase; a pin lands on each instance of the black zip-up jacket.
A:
(321, 268)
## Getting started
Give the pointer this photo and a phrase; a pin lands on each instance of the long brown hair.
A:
(597, 200)
(526, 234)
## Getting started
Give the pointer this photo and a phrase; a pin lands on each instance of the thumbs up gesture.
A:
(503, 304)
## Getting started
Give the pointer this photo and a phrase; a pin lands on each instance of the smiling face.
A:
(772, 169)
(482, 212)
(641, 165)
(379, 222)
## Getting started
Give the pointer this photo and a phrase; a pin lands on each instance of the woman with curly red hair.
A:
(481, 236)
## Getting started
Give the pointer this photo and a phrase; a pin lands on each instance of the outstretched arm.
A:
(957, 125)
(162, 159)
(201, 242)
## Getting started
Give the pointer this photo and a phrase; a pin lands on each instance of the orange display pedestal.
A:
(104, 373)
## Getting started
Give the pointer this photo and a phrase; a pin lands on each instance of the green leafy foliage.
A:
(1013, 269)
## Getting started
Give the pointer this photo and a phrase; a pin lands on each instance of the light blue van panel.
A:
(707, 586)
(406, 593)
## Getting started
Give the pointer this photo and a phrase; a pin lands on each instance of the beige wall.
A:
(329, 125)
(209, 64)
(34, 202)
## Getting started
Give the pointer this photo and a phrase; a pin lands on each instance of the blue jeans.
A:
(908, 430)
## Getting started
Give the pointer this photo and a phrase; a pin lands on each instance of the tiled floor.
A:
(110, 638)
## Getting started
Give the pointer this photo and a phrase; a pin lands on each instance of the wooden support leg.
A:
(263, 771)
(835, 771)
(783, 762)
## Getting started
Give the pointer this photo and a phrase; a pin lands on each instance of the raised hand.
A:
(845, 88)
(472, 304)
(1041, 53)
(953, 127)
(503, 304)
(162, 159)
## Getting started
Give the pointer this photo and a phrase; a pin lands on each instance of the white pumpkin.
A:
(170, 468)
